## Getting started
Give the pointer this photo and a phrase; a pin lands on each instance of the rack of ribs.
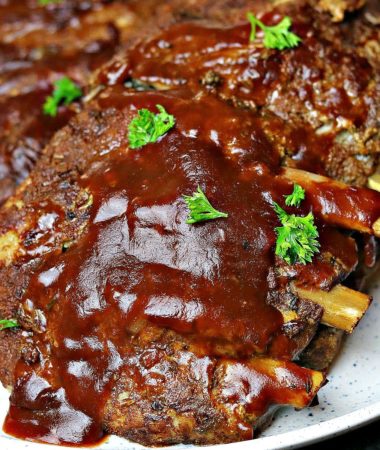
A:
(133, 321)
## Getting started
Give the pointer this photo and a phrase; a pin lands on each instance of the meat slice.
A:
(24, 130)
(322, 350)
(202, 400)
(361, 32)
(323, 95)
(41, 43)
(107, 256)
(134, 322)
(82, 36)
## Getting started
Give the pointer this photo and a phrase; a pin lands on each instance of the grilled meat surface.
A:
(159, 270)
(128, 243)
(133, 322)
(324, 90)
(40, 44)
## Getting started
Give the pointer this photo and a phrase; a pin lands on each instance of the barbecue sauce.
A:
(291, 84)
(139, 263)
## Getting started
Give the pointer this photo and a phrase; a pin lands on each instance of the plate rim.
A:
(313, 433)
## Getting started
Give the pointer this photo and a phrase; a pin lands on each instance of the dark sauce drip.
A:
(140, 263)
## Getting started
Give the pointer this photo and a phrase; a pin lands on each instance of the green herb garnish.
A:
(296, 197)
(48, 2)
(147, 127)
(277, 36)
(65, 91)
(8, 323)
(200, 208)
(296, 238)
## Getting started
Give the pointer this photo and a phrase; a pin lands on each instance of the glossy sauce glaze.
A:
(317, 90)
(139, 263)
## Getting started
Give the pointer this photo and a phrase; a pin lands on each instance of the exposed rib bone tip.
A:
(342, 307)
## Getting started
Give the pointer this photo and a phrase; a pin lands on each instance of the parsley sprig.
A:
(296, 197)
(48, 2)
(278, 36)
(200, 209)
(148, 127)
(8, 323)
(65, 91)
(297, 238)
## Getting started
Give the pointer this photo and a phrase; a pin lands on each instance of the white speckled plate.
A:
(351, 399)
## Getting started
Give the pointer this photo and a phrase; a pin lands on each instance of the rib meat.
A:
(134, 322)
(106, 226)
(82, 35)
(324, 94)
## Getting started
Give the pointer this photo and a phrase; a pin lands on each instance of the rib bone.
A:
(374, 182)
(343, 307)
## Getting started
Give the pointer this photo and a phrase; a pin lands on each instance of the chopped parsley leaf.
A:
(8, 323)
(65, 91)
(296, 197)
(296, 238)
(277, 36)
(147, 127)
(200, 208)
